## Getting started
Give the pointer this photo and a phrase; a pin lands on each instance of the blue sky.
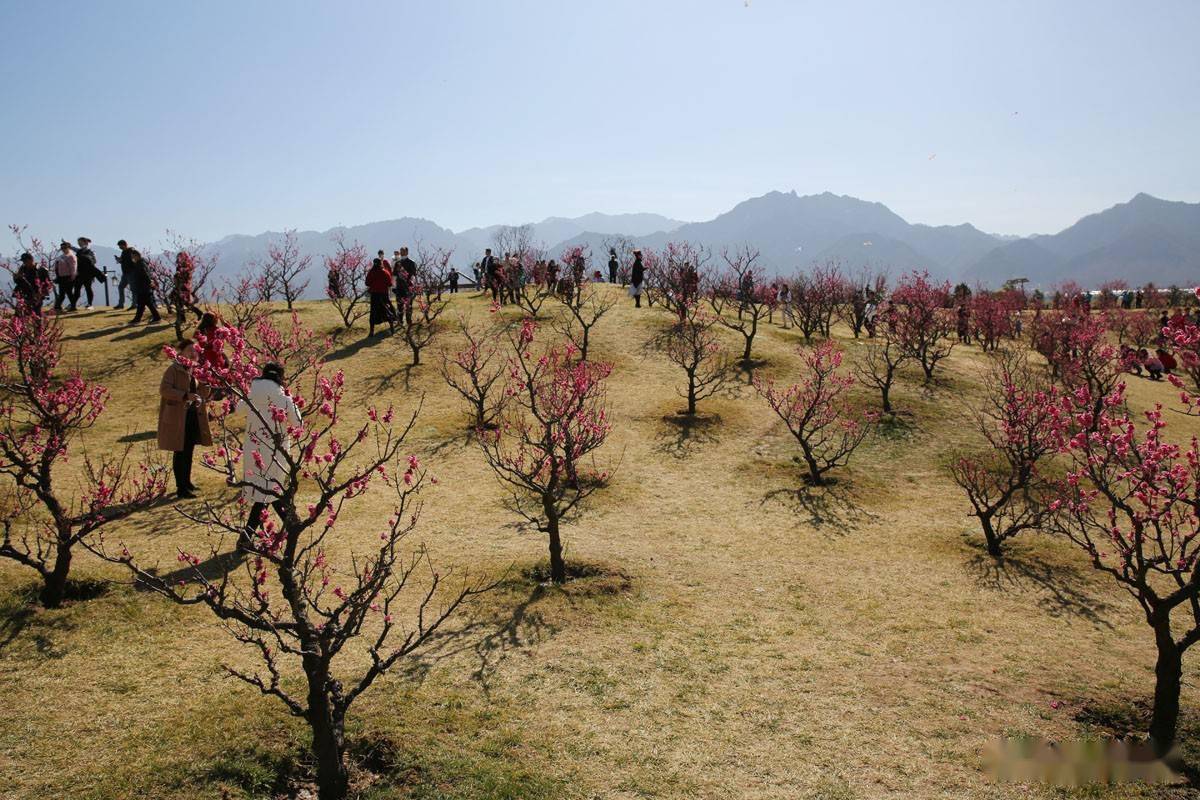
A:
(209, 118)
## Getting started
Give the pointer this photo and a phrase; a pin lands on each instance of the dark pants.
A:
(84, 287)
(181, 461)
(381, 311)
(454, 287)
(145, 299)
(121, 287)
(64, 289)
(403, 309)
(612, 274)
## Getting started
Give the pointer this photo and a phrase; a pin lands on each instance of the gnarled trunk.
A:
(328, 734)
(1168, 671)
(558, 568)
(54, 582)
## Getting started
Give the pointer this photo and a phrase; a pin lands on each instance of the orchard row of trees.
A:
(1065, 454)
(538, 409)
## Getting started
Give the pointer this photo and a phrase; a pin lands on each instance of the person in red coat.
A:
(379, 283)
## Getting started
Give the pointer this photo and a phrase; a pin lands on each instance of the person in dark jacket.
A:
(612, 265)
(88, 272)
(379, 283)
(487, 268)
(125, 259)
(453, 276)
(637, 275)
(142, 287)
(31, 284)
(405, 270)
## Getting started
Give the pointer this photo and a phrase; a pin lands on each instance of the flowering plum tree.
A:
(474, 371)
(880, 366)
(43, 415)
(816, 411)
(992, 317)
(922, 321)
(584, 307)
(295, 603)
(694, 346)
(554, 419)
(1007, 492)
(673, 276)
(346, 274)
(423, 324)
(245, 299)
(1129, 501)
(815, 297)
(284, 270)
(740, 286)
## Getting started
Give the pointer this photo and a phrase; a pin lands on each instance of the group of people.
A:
(183, 422)
(505, 277)
(397, 277)
(1162, 361)
(72, 275)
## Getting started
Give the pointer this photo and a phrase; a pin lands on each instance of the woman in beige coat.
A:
(182, 418)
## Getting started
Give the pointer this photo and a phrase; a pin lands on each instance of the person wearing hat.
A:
(66, 267)
(266, 465)
(88, 272)
(31, 284)
(637, 275)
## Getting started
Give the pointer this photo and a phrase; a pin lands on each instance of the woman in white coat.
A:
(264, 465)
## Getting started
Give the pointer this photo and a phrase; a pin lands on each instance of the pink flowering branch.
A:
(42, 417)
(816, 411)
(554, 419)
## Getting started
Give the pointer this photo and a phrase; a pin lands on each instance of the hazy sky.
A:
(209, 118)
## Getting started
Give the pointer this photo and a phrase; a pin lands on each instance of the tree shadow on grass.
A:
(1061, 588)
(491, 633)
(828, 507)
(20, 611)
(350, 348)
(98, 333)
(386, 381)
(140, 331)
(140, 436)
(745, 368)
(682, 434)
(213, 569)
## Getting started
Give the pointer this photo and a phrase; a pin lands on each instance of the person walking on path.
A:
(269, 413)
(142, 287)
(487, 266)
(637, 275)
(379, 283)
(125, 259)
(66, 268)
(183, 418)
(87, 273)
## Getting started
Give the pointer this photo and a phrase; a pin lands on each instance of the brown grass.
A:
(737, 634)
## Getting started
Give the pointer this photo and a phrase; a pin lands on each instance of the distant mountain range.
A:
(1146, 239)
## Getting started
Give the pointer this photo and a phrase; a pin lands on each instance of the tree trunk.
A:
(814, 469)
(558, 568)
(746, 351)
(691, 398)
(328, 739)
(1167, 672)
(54, 586)
(989, 534)
(885, 393)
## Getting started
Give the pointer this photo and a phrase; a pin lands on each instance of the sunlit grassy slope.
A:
(743, 637)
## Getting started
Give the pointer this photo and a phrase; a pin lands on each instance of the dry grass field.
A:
(739, 635)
